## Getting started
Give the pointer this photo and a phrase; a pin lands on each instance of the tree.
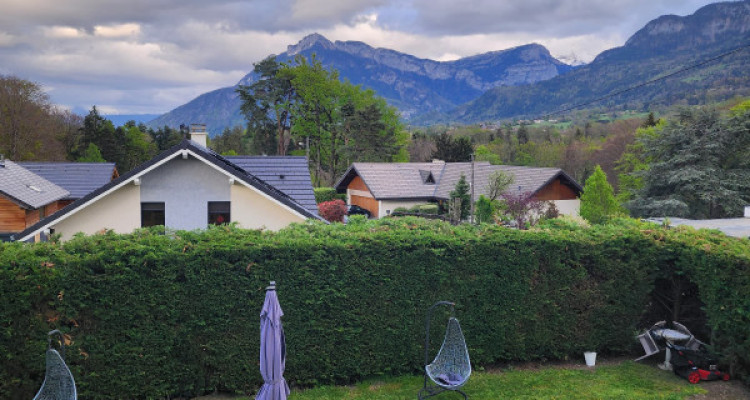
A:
(598, 202)
(461, 192)
(165, 137)
(127, 146)
(101, 132)
(30, 126)
(498, 183)
(523, 134)
(137, 147)
(650, 121)
(267, 104)
(92, 154)
(522, 208)
(337, 122)
(450, 150)
(485, 209)
(699, 166)
(421, 147)
(230, 142)
(483, 153)
(632, 164)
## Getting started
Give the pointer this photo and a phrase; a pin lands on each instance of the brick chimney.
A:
(198, 134)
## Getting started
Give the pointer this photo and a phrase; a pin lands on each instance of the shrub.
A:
(423, 209)
(485, 210)
(324, 194)
(332, 211)
(431, 209)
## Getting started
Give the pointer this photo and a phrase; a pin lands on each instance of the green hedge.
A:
(323, 194)
(152, 316)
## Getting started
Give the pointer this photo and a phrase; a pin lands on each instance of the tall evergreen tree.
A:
(700, 166)
(266, 105)
(598, 202)
(523, 134)
(450, 150)
(461, 192)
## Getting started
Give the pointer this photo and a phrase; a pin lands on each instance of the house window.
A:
(152, 214)
(218, 212)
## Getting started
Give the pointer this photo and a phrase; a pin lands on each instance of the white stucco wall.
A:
(185, 187)
(386, 205)
(119, 211)
(568, 207)
(251, 210)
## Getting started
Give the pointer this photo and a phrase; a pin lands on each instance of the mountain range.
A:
(413, 85)
(697, 59)
(527, 81)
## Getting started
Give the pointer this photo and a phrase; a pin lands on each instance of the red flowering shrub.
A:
(332, 211)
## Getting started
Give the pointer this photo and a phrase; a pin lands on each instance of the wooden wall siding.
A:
(358, 184)
(32, 217)
(56, 206)
(367, 203)
(556, 190)
(12, 217)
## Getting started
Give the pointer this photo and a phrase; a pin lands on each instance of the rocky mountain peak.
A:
(308, 42)
(709, 24)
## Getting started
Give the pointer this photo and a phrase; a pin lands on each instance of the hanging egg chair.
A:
(451, 367)
(58, 381)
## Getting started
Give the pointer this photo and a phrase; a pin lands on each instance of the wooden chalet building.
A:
(382, 187)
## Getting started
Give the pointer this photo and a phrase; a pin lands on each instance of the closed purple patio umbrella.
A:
(272, 349)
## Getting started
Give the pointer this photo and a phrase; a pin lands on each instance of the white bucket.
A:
(590, 358)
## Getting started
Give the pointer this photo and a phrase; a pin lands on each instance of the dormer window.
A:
(427, 177)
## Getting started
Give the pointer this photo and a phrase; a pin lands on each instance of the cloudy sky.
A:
(150, 56)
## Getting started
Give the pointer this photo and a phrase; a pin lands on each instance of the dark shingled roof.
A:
(26, 188)
(289, 174)
(78, 178)
(407, 180)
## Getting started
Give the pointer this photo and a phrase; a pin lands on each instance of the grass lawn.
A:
(625, 381)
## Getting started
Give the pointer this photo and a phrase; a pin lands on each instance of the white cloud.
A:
(63, 32)
(117, 31)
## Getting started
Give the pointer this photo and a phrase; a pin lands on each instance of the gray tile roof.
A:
(399, 180)
(407, 180)
(26, 188)
(78, 178)
(289, 174)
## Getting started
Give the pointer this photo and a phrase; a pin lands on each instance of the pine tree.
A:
(598, 202)
(461, 191)
(523, 134)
